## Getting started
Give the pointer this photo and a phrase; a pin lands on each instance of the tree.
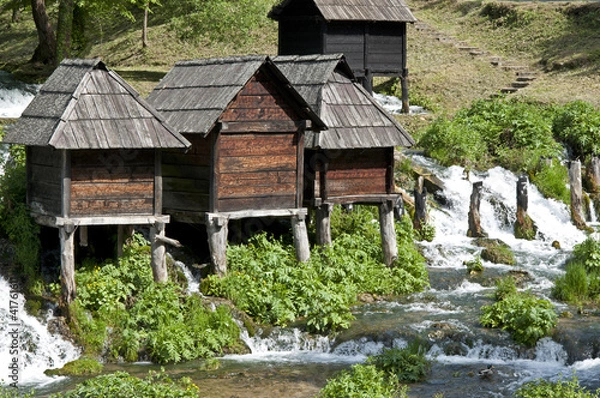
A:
(64, 30)
(45, 51)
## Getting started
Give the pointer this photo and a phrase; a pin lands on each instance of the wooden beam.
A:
(159, 260)
(65, 182)
(301, 238)
(324, 224)
(83, 236)
(388, 232)
(216, 227)
(262, 126)
(67, 266)
(56, 222)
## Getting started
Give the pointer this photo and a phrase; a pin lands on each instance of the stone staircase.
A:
(524, 76)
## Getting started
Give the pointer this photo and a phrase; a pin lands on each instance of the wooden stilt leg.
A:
(301, 238)
(217, 241)
(83, 236)
(159, 261)
(120, 241)
(67, 265)
(388, 232)
(324, 224)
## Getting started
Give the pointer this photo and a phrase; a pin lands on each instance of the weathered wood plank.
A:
(258, 145)
(185, 202)
(237, 114)
(259, 178)
(179, 158)
(355, 187)
(124, 174)
(184, 185)
(90, 207)
(257, 163)
(112, 190)
(258, 203)
(189, 171)
(261, 126)
(249, 190)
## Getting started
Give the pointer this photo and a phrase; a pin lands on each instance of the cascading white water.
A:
(14, 95)
(27, 348)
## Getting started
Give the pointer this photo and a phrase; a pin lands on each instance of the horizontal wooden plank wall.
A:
(187, 176)
(358, 172)
(44, 183)
(348, 39)
(301, 36)
(258, 170)
(105, 182)
(385, 43)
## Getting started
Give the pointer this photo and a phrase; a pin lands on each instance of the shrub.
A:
(562, 388)
(12, 392)
(123, 385)
(363, 381)
(553, 181)
(577, 124)
(408, 364)
(524, 316)
(588, 254)
(573, 286)
(78, 367)
(474, 266)
(265, 280)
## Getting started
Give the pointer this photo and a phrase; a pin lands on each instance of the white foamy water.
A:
(14, 96)
(27, 349)
(394, 105)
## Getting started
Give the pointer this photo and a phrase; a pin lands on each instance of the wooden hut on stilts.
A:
(246, 124)
(370, 33)
(352, 162)
(93, 149)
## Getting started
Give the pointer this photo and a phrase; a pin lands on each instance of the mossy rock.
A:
(80, 367)
(526, 229)
(495, 251)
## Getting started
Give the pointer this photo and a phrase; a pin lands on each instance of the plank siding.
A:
(45, 184)
(358, 172)
(187, 177)
(386, 47)
(112, 182)
(258, 170)
(349, 39)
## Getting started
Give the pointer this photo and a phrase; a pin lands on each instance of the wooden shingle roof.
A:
(194, 94)
(353, 118)
(353, 10)
(83, 105)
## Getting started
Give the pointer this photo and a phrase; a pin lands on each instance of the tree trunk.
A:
(64, 30)
(576, 194)
(46, 49)
(16, 13)
(145, 27)
(475, 230)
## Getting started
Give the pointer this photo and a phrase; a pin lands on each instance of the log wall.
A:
(44, 180)
(255, 169)
(112, 182)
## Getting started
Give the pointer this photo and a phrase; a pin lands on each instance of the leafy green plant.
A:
(526, 317)
(562, 388)
(12, 392)
(552, 181)
(577, 124)
(408, 364)
(78, 367)
(123, 385)
(505, 287)
(573, 286)
(474, 266)
(426, 233)
(363, 381)
(588, 254)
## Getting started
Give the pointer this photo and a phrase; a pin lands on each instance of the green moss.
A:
(495, 251)
(80, 367)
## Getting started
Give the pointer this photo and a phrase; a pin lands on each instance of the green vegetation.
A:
(474, 266)
(123, 385)
(526, 317)
(363, 381)
(495, 251)
(408, 364)
(11, 392)
(265, 280)
(581, 282)
(78, 367)
(561, 388)
(121, 305)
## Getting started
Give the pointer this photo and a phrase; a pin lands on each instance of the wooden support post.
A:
(67, 266)
(216, 228)
(593, 175)
(404, 87)
(159, 258)
(576, 194)
(420, 194)
(388, 232)
(324, 224)
(301, 238)
(83, 236)
(524, 226)
(120, 240)
(475, 230)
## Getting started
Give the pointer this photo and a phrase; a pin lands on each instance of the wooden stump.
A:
(324, 224)
(593, 175)
(67, 266)
(475, 229)
(159, 260)
(577, 215)
(420, 193)
(217, 242)
(300, 238)
(524, 227)
(388, 232)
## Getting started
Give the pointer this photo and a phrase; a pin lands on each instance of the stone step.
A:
(526, 75)
(476, 51)
(515, 67)
(520, 84)
(526, 78)
(495, 60)
(508, 90)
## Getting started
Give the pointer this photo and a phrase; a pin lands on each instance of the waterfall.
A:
(14, 95)
(27, 348)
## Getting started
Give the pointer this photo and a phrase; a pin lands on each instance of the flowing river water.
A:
(286, 362)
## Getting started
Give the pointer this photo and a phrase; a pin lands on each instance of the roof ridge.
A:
(221, 60)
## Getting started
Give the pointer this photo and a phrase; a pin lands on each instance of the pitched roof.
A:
(356, 10)
(83, 105)
(353, 118)
(194, 94)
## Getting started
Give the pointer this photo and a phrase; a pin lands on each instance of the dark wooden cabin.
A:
(352, 162)
(370, 33)
(246, 124)
(93, 150)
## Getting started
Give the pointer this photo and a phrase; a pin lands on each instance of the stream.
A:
(287, 362)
